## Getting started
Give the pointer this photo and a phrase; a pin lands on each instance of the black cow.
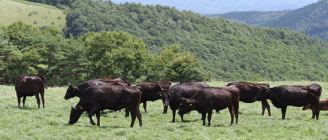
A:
(30, 86)
(152, 91)
(183, 90)
(77, 91)
(211, 98)
(252, 92)
(282, 96)
(102, 97)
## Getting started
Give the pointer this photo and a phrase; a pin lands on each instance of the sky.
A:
(224, 6)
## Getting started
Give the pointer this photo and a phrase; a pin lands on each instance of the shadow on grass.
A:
(90, 126)
(25, 108)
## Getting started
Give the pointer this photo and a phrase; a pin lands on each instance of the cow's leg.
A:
(231, 114)
(204, 118)
(42, 97)
(24, 98)
(145, 105)
(315, 111)
(133, 116)
(139, 116)
(18, 100)
(98, 118)
(181, 116)
(126, 112)
(173, 114)
(94, 110)
(265, 105)
(91, 121)
(236, 108)
(268, 107)
(209, 117)
(283, 111)
(38, 100)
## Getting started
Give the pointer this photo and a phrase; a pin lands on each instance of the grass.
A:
(51, 122)
(38, 15)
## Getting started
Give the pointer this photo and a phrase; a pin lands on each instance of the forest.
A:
(148, 43)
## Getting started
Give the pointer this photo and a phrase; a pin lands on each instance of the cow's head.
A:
(186, 105)
(262, 92)
(71, 92)
(75, 114)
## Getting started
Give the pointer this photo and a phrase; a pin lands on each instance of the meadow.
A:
(38, 15)
(52, 122)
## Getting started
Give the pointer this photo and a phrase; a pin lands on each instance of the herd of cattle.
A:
(116, 94)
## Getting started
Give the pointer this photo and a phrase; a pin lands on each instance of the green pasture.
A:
(38, 15)
(52, 122)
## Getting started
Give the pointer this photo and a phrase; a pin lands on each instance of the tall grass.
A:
(51, 122)
(38, 15)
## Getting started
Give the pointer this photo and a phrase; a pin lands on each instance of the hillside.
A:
(311, 20)
(38, 15)
(255, 18)
(229, 51)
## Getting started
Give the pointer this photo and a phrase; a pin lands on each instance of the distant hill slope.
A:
(228, 51)
(256, 18)
(311, 20)
(36, 14)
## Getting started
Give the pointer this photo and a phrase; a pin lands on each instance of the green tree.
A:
(117, 54)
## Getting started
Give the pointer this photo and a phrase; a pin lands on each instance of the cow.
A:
(77, 91)
(102, 97)
(252, 92)
(323, 105)
(152, 91)
(283, 96)
(211, 98)
(182, 90)
(30, 86)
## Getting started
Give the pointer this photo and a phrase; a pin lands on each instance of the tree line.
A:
(26, 50)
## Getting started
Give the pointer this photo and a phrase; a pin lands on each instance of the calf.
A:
(30, 86)
(323, 105)
(152, 91)
(282, 96)
(108, 97)
(252, 92)
(211, 98)
(183, 90)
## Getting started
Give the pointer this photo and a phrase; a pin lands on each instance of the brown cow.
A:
(323, 105)
(97, 98)
(30, 86)
(283, 96)
(182, 90)
(252, 92)
(211, 98)
(152, 91)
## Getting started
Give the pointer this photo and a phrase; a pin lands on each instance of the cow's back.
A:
(29, 85)
(112, 97)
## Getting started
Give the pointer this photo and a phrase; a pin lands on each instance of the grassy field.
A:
(51, 122)
(38, 15)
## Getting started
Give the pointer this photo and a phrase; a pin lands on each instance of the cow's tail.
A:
(43, 81)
